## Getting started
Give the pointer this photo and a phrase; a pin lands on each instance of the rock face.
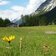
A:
(46, 6)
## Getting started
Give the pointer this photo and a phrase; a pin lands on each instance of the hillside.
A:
(46, 11)
(51, 15)
(46, 6)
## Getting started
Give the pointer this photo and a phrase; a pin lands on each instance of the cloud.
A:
(16, 11)
(3, 2)
(19, 9)
(31, 7)
(9, 14)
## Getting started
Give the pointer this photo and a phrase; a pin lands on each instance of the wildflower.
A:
(20, 39)
(8, 39)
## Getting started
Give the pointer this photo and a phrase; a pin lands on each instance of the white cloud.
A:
(16, 11)
(19, 9)
(8, 14)
(12, 13)
(31, 7)
(3, 2)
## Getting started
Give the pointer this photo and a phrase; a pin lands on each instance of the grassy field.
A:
(36, 41)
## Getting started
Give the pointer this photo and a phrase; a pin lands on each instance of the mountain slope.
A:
(50, 16)
(18, 22)
(48, 9)
(46, 6)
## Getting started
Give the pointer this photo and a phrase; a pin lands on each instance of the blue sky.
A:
(13, 9)
(14, 2)
(20, 2)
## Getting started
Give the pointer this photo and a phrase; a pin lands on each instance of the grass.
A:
(35, 42)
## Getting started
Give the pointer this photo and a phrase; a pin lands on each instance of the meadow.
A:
(36, 41)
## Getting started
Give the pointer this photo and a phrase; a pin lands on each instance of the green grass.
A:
(33, 44)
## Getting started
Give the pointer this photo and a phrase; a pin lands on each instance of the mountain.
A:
(18, 22)
(50, 14)
(14, 20)
(48, 9)
(46, 6)
(47, 18)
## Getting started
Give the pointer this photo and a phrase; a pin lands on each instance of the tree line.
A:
(4, 23)
(48, 18)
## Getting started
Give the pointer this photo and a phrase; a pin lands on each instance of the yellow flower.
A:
(11, 38)
(5, 38)
(8, 39)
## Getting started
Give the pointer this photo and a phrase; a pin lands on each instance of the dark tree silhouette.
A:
(6, 22)
(1, 22)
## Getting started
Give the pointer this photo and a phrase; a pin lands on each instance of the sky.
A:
(13, 9)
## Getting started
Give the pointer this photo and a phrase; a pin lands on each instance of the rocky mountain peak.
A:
(46, 6)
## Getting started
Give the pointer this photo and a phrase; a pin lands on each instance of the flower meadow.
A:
(28, 41)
